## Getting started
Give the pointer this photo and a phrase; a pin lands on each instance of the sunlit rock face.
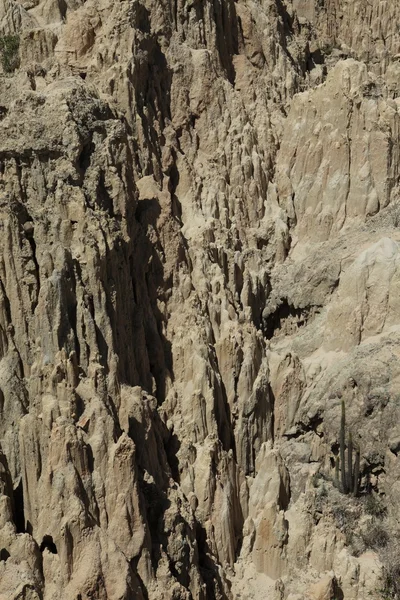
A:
(199, 266)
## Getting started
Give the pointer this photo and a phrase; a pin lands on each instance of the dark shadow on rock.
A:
(151, 81)
(19, 517)
(227, 35)
(171, 447)
(48, 543)
(222, 408)
(138, 581)
(156, 503)
(144, 351)
(337, 590)
(147, 212)
(287, 318)
(167, 445)
(4, 554)
(208, 567)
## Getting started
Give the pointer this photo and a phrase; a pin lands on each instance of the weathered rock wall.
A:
(198, 261)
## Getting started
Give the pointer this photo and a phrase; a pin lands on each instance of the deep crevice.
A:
(19, 517)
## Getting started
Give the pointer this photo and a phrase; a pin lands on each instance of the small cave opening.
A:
(48, 543)
(4, 554)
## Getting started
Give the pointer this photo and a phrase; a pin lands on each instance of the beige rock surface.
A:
(199, 260)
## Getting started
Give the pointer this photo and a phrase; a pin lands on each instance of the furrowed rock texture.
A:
(199, 263)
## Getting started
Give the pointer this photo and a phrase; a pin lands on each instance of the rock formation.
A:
(199, 261)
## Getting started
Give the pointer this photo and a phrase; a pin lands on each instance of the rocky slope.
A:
(199, 262)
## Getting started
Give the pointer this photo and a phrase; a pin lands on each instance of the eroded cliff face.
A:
(199, 260)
